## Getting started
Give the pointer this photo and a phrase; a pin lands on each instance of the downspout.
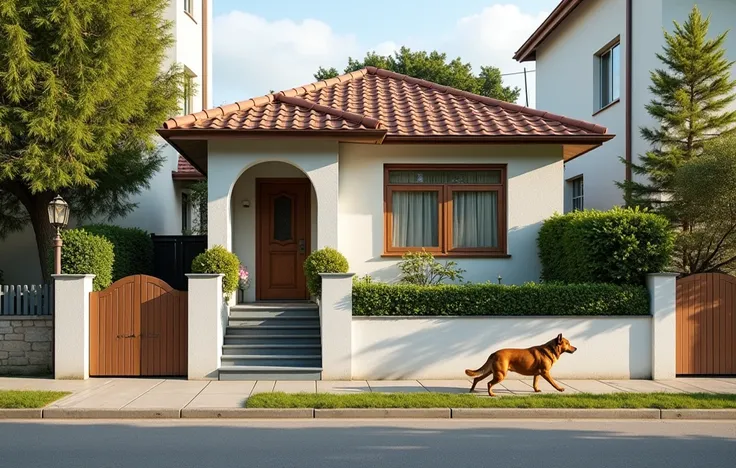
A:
(629, 73)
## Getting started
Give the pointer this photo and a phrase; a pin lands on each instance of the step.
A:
(262, 321)
(262, 330)
(272, 339)
(273, 361)
(270, 349)
(288, 313)
(269, 373)
(275, 307)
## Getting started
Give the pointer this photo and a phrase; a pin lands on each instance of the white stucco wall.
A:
(443, 347)
(566, 84)
(534, 194)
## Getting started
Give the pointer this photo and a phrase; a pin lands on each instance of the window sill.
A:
(452, 255)
(606, 107)
(190, 15)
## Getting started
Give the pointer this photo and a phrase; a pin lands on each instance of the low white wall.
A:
(443, 347)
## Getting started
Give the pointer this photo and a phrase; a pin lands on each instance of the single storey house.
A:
(374, 164)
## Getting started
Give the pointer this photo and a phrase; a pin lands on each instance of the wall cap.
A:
(337, 275)
(204, 275)
(663, 274)
(71, 277)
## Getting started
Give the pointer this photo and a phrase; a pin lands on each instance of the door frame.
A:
(260, 182)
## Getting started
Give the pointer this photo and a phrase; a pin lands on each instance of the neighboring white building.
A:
(160, 209)
(583, 51)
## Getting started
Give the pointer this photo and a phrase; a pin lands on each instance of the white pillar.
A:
(207, 320)
(71, 326)
(336, 316)
(663, 303)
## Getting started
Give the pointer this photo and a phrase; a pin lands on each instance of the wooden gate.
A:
(706, 324)
(138, 327)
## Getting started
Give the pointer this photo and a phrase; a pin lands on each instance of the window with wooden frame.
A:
(448, 210)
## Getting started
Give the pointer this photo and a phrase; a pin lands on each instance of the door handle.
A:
(302, 247)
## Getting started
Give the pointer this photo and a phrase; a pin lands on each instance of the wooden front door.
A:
(282, 240)
(138, 327)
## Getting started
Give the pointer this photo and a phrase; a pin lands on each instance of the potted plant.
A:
(243, 283)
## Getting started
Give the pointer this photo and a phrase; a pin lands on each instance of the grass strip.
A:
(26, 399)
(447, 400)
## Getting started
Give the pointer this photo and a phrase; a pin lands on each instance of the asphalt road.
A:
(354, 444)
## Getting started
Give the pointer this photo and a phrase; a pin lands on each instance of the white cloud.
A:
(284, 53)
(272, 55)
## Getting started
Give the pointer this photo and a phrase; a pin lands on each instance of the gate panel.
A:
(706, 329)
(138, 327)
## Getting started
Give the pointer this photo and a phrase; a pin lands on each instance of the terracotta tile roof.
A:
(379, 100)
(185, 171)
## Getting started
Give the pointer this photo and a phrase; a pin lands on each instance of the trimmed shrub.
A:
(326, 260)
(219, 260)
(133, 249)
(494, 299)
(619, 246)
(84, 253)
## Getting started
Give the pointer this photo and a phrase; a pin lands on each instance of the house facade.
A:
(593, 62)
(376, 164)
(163, 208)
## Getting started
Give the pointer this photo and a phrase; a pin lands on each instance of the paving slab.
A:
(218, 400)
(546, 387)
(296, 386)
(450, 386)
(681, 386)
(115, 395)
(27, 383)
(396, 386)
(710, 385)
(229, 387)
(589, 386)
(514, 386)
(343, 386)
(170, 394)
(641, 386)
(263, 386)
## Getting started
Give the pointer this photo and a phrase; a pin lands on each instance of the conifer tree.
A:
(82, 90)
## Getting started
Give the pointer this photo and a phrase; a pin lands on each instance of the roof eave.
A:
(528, 51)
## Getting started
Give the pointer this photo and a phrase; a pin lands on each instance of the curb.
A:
(247, 413)
(554, 413)
(692, 414)
(386, 413)
(94, 413)
(21, 413)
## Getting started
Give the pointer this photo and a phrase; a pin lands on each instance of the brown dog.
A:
(536, 361)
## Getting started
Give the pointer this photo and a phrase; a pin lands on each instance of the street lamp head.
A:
(58, 212)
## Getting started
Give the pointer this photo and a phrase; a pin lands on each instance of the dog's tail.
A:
(483, 370)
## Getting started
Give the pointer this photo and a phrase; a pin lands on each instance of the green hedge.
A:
(219, 260)
(133, 249)
(619, 246)
(494, 299)
(84, 253)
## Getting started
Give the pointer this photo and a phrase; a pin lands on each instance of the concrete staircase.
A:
(272, 341)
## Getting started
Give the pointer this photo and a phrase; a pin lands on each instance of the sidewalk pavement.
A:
(178, 394)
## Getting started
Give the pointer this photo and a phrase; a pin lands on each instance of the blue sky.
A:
(278, 44)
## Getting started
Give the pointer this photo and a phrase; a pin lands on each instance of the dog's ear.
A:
(559, 338)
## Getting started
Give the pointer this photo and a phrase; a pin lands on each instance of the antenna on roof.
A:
(526, 90)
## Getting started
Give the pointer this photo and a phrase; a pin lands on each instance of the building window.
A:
(186, 218)
(188, 94)
(189, 7)
(609, 71)
(577, 194)
(446, 210)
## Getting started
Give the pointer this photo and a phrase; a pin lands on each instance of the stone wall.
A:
(25, 345)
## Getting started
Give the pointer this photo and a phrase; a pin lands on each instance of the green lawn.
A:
(16, 399)
(446, 400)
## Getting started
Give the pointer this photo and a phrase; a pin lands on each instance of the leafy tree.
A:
(81, 93)
(705, 194)
(691, 101)
(433, 67)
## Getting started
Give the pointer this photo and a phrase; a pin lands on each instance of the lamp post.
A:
(58, 217)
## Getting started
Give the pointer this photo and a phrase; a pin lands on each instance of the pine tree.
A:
(82, 91)
(692, 95)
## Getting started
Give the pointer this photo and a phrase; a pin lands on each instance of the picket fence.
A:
(34, 299)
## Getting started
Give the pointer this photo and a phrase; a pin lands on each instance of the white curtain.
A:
(415, 221)
(474, 219)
